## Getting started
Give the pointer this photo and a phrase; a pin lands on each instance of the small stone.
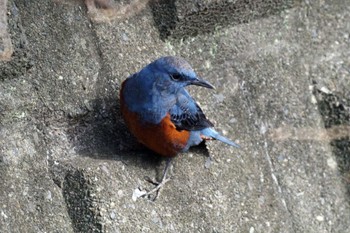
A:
(105, 169)
(325, 90)
(137, 193)
(300, 194)
(233, 120)
(49, 195)
(320, 218)
(207, 64)
(120, 192)
(112, 215)
(263, 129)
(208, 163)
(332, 163)
(112, 204)
(4, 215)
(124, 37)
(313, 99)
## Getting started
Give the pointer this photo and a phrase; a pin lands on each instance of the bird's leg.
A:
(160, 184)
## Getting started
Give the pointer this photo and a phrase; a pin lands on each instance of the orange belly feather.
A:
(162, 138)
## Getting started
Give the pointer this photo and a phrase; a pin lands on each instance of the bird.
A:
(160, 112)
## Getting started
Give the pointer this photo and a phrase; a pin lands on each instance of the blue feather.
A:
(210, 132)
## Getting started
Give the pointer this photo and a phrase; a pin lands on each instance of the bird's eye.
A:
(176, 77)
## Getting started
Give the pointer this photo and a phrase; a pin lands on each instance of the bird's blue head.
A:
(171, 74)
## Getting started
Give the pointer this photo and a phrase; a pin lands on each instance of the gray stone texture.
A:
(6, 49)
(282, 76)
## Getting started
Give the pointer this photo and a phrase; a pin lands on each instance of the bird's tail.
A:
(210, 132)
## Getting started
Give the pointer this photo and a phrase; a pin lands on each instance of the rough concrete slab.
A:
(6, 49)
(183, 19)
(15, 59)
(68, 163)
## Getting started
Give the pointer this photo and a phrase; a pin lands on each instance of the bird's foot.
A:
(160, 184)
(157, 189)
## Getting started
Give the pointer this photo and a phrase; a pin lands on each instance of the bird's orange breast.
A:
(162, 138)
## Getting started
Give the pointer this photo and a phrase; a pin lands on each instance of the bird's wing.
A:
(187, 115)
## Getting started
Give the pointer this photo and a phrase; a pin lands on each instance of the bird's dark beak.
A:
(202, 83)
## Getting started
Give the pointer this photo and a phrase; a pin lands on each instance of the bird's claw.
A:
(156, 189)
(149, 180)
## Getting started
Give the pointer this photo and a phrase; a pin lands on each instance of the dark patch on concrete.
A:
(21, 60)
(164, 16)
(335, 111)
(99, 131)
(204, 18)
(77, 195)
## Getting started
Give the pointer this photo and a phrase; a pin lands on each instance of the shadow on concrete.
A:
(164, 16)
(79, 203)
(21, 59)
(197, 18)
(102, 134)
(335, 111)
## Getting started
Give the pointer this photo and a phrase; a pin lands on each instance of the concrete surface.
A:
(6, 49)
(68, 163)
